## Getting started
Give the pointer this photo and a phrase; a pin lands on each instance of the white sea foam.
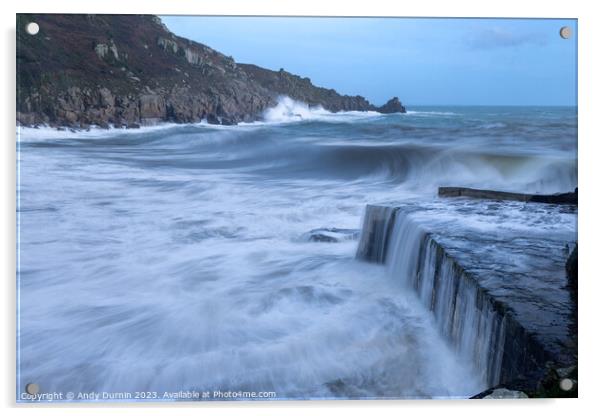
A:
(288, 110)
(185, 278)
(177, 263)
(494, 125)
(94, 132)
(430, 113)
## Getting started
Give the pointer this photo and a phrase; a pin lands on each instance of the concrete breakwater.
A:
(511, 320)
(560, 198)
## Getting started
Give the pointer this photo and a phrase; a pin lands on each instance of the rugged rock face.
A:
(130, 70)
(392, 106)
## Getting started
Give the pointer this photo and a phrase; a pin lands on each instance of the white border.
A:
(589, 161)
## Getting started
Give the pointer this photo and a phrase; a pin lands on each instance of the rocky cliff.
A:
(130, 70)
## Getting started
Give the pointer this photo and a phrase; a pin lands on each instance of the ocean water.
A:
(179, 257)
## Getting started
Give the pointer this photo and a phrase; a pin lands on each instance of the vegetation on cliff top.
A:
(129, 70)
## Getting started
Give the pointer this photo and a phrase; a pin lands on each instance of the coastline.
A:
(286, 117)
(140, 77)
(226, 198)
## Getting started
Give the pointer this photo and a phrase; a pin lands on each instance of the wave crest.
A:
(288, 110)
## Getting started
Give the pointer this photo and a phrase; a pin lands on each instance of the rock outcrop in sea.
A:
(130, 70)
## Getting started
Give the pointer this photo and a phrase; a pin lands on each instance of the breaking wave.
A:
(302, 142)
(431, 113)
(173, 258)
(288, 110)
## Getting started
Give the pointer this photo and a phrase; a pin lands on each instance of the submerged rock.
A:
(332, 235)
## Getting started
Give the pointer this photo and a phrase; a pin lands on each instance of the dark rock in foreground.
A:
(555, 383)
(564, 198)
(130, 70)
(504, 393)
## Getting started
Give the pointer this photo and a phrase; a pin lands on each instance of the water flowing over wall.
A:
(480, 329)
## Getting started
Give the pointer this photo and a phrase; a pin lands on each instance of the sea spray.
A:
(173, 259)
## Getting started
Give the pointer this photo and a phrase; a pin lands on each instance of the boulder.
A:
(392, 106)
(228, 122)
(212, 119)
(152, 106)
(331, 235)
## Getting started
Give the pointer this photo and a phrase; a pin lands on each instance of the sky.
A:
(422, 61)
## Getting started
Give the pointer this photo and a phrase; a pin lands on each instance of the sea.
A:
(174, 259)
